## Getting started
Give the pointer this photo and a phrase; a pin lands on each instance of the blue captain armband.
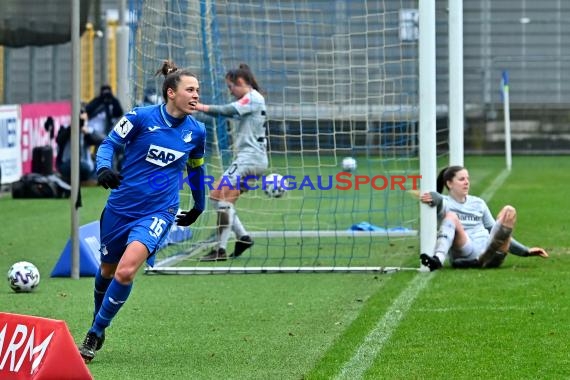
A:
(195, 162)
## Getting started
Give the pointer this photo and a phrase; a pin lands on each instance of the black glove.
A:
(108, 178)
(186, 218)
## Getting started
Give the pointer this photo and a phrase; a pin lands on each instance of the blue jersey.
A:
(157, 148)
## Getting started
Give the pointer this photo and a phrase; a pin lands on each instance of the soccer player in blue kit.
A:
(159, 141)
(468, 234)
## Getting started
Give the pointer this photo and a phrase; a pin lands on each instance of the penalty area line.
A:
(495, 185)
(377, 338)
(381, 333)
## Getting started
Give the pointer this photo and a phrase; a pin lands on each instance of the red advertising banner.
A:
(34, 348)
(33, 117)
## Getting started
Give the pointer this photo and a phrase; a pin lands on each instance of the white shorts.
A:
(470, 251)
(243, 166)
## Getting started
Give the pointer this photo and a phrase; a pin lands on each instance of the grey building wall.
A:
(37, 74)
(530, 39)
(43, 74)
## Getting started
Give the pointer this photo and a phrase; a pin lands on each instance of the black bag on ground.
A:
(42, 160)
(34, 185)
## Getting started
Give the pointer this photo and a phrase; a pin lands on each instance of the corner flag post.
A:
(505, 92)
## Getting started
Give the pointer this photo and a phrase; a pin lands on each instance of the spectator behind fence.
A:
(104, 110)
(87, 139)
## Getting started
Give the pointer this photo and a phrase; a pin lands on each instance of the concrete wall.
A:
(530, 39)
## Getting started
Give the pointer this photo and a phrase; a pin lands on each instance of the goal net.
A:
(340, 79)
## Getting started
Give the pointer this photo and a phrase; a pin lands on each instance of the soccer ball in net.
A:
(273, 186)
(23, 277)
(349, 164)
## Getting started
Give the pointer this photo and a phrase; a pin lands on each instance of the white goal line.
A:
(166, 266)
(316, 234)
(242, 270)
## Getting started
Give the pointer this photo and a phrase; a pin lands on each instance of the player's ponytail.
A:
(244, 72)
(446, 174)
(440, 182)
(172, 76)
(167, 67)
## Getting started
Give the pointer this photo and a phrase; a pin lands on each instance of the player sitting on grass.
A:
(467, 232)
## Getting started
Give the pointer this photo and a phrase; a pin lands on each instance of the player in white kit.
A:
(468, 234)
(250, 159)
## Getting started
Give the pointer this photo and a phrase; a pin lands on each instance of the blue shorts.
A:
(118, 231)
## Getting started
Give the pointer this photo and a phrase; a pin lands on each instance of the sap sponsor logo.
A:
(21, 346)
(123, 127)
(162, 156)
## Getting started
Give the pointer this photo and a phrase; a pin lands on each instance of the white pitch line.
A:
(377, 338)
(498, 182)
(444, 310)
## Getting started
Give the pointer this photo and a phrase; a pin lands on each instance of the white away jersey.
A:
(250, 136)
(474, 215)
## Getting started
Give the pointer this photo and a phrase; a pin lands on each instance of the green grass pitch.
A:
(508, 323)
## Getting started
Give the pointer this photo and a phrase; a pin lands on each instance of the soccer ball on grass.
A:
(274, 185)
(23, 277)
(348, 164)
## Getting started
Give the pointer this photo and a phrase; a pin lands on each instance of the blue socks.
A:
(115, 296)
(101, 285)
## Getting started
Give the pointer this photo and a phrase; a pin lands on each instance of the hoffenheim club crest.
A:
(187, 136)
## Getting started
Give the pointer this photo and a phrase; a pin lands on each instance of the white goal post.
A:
(335, 87)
